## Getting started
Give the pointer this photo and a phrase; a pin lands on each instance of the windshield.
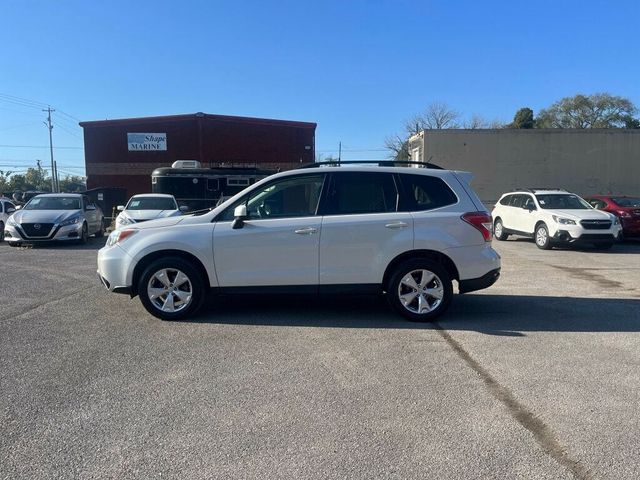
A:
(562, 202)
(53, 203)
(152, 203)
(627, 201)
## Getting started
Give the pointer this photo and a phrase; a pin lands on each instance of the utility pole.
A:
(339, 151)
(54, 174)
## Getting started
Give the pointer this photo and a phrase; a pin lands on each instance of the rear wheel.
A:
(542, 237)
(100, 232)
(498, 230)
(420, 290)
(171, 289)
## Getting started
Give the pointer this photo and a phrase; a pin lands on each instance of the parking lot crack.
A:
(542, 433)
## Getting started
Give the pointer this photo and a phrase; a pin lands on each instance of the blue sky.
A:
(357, 68)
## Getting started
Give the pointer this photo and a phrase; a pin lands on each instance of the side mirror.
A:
(239, 214)
(120, 208)
(18, 207)
(183, 208)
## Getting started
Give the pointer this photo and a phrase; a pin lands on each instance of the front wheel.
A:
(171, 289)
(84, 235)
(498, 231)
(543, 241)
(420, 290)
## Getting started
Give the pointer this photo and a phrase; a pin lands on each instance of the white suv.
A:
(408, 232)
(554, 217)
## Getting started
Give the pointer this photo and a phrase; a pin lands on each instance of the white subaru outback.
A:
(554, 217)
(409, 232)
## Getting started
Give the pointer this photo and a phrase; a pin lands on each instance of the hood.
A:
(160, 222)
(582, 214)
(44, 216)
(138, 215)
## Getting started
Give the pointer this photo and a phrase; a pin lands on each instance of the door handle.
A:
(306, 231)
(396, 225)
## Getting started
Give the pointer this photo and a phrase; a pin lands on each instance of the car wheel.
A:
(171, 289)
(100, 232)
(603, 246)
(542, 239)
(498, 230)
(84, 235)
(420, 290)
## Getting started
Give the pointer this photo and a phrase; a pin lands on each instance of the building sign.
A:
(144, 142)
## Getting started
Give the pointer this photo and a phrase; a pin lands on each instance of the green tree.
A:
(72, 183)
(600, 110)
(523, 119)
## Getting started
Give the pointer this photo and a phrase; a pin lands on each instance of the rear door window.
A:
(360, 193)
(506, 200)
(518, 201)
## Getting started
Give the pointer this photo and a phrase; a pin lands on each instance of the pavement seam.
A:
(542, 433)
(31, 308)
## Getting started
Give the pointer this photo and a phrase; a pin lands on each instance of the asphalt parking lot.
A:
(536, 377)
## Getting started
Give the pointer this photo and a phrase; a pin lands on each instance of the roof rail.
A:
(537, 189)
(379, 163)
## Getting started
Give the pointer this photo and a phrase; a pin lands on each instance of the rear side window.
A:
(361, 192)
(424, 192)
(518, 201)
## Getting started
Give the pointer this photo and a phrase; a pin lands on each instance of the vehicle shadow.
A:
(92, 244)
(507, 315)
(627, 246)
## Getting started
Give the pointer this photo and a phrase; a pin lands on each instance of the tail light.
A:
(482, 222)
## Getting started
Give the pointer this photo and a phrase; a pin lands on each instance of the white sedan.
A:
(149, 206)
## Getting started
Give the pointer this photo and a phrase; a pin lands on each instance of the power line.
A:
(40, 146)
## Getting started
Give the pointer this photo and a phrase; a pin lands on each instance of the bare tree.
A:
(475, 122)
(437, 115)
(398, 147)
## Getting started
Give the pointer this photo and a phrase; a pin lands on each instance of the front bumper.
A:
(17, 234)
(114, 265)
(564, 236)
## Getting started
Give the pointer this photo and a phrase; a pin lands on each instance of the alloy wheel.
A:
(170, 290)
(420, 291)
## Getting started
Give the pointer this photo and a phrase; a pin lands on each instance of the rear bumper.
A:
(485, 281)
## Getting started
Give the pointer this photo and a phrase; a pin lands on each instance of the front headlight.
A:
(119, 236)
(563, 221)
(124, 220)
(11, 222)
(70, 221)
(616, 220)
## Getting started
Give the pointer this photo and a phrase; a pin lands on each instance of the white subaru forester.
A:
(409, 232)
(554, 217)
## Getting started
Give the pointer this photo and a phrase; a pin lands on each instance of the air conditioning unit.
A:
(185, 164)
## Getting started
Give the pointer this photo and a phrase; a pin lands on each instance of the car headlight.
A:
(119, 236)
(563, 221)
(11, 222)
(616, 220)
(124, 220)
(70, 221)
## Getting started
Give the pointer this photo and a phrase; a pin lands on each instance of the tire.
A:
(410, 275)
(84, 235)
(169, 268)
(603, 246)
(1, 231)
(498, 230)
(100, 232)
(541, 237)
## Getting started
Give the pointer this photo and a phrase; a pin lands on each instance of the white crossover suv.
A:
(147, 206)
(554, 217)
(409, 232)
